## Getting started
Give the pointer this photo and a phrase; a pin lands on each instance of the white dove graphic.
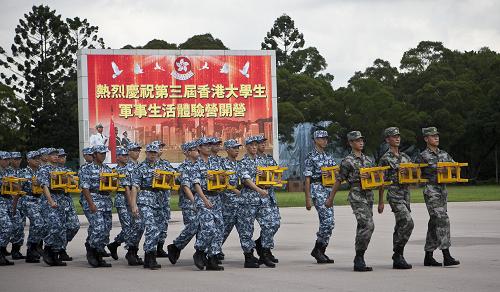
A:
(205, 66)
(244, 71)
(182, 65)
(224, 69)
(116, 70)
(158, 67)
(138, 69)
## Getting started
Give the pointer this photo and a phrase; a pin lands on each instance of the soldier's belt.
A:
(165, 180)
(375, 179)
(315, 180)
(271, 176)
(11, 186)
(452, 173)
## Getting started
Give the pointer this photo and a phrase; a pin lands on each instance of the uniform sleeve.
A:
(243, 171)
(43, 177)
(136, 177)
(185, 177)
(308, 166)
(345, 168)
(195, 175)
(85, 178)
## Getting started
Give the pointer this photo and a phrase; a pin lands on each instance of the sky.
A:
(350, 35)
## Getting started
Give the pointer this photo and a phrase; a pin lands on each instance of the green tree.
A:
(284, 38)
(13, 132)
(203, 42)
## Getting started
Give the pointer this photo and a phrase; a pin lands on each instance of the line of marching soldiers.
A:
(209, 213)
(143, 209)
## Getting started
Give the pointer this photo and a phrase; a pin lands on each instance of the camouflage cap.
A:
(16, 155)
(43, 151)
(153, 148)
(320, 134)
(61, 152)
(260, 138)
(189, 145)
(204, 141)
(88, 151)
(121, 150)
(391, 131)
(52, 150)
(4, 155)
(251, 139)
(215, 140)
(158, 142)
(32, 154)
(100, 149)
(430, 131)
(133, 146)
(231, 144)
(354, 135)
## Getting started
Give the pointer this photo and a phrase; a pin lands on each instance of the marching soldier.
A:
(97, 207)
(209, 205)
(19, 218)
(398, 196)
(317, 194)
(29, 205)
(6, 225)
(436, 200)
(186, 202)
(361, 201)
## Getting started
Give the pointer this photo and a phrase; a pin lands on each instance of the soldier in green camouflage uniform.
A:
(361, 201)
(398, 196)
(436, 199)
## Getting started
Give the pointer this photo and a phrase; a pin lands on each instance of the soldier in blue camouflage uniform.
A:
(436, 200)
(361, 201)
(254, 205)
(6, 226)
(160, 252)
(317, 193)
(231, 198)
(88, 156)
(18, 219)
(149, 203)
(398, 196)
(122, 205)
(72, 221)
(97, 207)
(52, 207)
(186, 202)
(29, 206)
(209, 205)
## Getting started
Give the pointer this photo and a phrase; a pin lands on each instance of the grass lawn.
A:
(296, 199)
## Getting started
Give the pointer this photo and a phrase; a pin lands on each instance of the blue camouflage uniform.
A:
(211, 232)
(149, 201)
(100, 222)
(6, 225)
(314, 161)
(18, 218)
(230, 200)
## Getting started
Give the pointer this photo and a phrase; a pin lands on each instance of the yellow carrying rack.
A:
(109, 181)
(12, 186)
(328, 178)
(36, 189)
(165, 180)
(72, 184)
(376, 178)
(58, 180)
(452, 173)
(218, 180)
(271, 176)
(66, 181)
(411, 173)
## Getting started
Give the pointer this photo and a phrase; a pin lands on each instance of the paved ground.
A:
(475, 242)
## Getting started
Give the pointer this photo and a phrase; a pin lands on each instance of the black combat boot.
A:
(265, 258)
(130, 256)
(113, 249)
(31, 254)
(213, 264)
(429, 260)
(173, 253)
(448, 260)
(139, 259)
(91, 255)
(323, 250)
(3, 260)
(250, 260)
(57, 259)
(221, 256)
(3, 250)
(258, 248)
(48, 255)
(359, 262)
(101, 262)
(160, 252)
(16, 252)
(63, 255)
(150, 261)
(398, 260)
(318, 254)
(200, 259)
(39, 248)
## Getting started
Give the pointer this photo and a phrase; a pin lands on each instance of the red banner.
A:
(180, 98)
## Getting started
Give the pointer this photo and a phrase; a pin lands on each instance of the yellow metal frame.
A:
(63, 180)
(376, 178)
(72, 185)
(328, 180)
(452, 174)
(166, 180)
(219, 180)
(271, 176)
(58, 180)
(413, 173)
(12, 186)
(111, 182)
(36, 189)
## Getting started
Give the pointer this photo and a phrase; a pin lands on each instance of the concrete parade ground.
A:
(475, 229)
